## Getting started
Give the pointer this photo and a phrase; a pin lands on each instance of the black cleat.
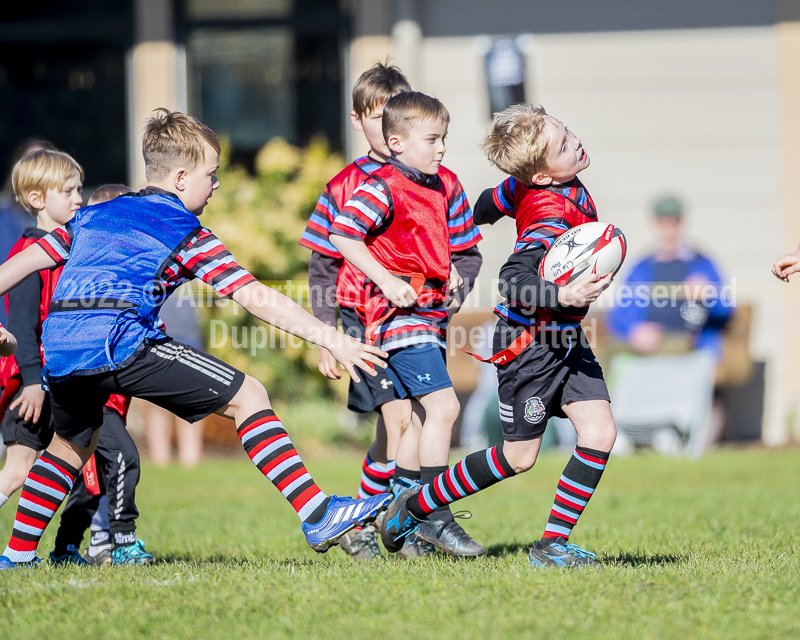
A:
(416, 549)
(398, 522)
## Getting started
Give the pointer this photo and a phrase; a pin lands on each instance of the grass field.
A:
(689, 550)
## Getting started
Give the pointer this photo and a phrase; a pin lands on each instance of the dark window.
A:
(62, 78)
(265, 68)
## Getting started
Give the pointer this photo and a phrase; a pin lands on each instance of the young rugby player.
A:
(121, 260)
(114, 470)
(332, 280)
(545, 366)
(400, 229)
(48, 184)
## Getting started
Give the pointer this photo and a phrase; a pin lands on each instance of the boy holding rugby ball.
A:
(539, 376)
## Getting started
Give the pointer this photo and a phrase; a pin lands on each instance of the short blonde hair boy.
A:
(172, 139)
(517, 143)
(40, 171)
(107, 192)
(406, 109)
(376, 85)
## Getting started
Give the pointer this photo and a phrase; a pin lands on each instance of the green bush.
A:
(260, 218)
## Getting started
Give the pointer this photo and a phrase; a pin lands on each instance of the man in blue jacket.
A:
(674, 291)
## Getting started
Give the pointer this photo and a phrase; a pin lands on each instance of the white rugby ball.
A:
(588, 249)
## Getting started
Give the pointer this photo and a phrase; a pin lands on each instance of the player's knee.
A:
(445, 409)
(601, 437)
(251, 397)
(397, 416)
(521, 455)
(16, 478)
(254, 392)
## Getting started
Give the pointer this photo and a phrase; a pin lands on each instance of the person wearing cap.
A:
(671, 296)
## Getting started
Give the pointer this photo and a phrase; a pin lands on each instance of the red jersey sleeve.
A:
(505, 196)
(57, 244)
(463, 232)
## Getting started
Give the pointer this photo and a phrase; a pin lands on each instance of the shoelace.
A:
(407, 533)
(457, 529)
(575, 550)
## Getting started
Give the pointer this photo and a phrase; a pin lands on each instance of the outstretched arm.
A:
(22, 265)
(276, 309)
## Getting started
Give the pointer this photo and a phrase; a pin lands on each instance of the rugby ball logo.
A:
(591, 248)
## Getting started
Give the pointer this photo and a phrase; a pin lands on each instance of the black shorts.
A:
(557, 368)
(35, 436)
(372, 392)
(181, 379)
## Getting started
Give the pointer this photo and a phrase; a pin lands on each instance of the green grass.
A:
(690, 550)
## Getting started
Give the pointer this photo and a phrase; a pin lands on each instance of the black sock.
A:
(427, 474)
(400, 472)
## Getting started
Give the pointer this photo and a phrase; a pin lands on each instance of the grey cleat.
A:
(443, 532)
(361, 544)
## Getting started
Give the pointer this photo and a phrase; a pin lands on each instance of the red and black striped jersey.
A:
(350, 281)
(204, 257)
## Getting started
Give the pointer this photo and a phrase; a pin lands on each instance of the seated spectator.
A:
(692, 313)
(671, 308)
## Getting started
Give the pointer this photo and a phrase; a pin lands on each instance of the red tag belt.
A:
(520, 344)
(378, 309)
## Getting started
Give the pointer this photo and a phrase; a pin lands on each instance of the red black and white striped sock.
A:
(476, 472)
(375, 477)
(271, 450)
(576, 486)
(48, 483)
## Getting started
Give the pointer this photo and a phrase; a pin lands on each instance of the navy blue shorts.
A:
(372, 392)
(418, 370)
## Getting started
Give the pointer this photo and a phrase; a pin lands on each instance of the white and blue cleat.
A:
(6, 563)
(342, 515)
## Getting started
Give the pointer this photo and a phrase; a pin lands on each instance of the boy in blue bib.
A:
(122, 259)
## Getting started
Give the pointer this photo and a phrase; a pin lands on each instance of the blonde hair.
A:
(42, 170)
(517, 143)
(376, 86)
(172, 139)
(108, 192)
(406, 109)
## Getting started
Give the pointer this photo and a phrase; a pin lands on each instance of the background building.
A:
(693, 97)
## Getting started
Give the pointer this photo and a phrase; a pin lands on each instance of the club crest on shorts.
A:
(534, 410)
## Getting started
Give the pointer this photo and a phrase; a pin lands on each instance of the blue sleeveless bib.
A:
(106, 303)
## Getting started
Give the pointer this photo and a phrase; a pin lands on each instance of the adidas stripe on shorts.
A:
(176, 376)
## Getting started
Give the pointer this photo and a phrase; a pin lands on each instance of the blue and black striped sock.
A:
(576, 485)
(474, 473)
